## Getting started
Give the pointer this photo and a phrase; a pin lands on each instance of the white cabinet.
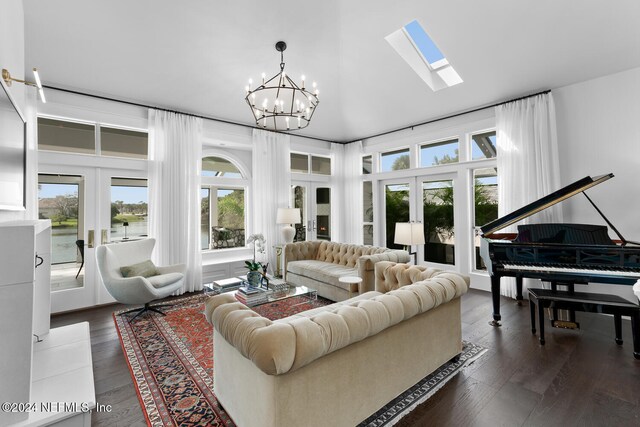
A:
(24, 290)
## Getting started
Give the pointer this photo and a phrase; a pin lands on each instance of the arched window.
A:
(223, 203)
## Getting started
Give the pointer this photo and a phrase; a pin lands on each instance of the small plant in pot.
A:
(255, 274)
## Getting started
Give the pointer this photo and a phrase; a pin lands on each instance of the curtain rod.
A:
(450, 116)
(301, 136)
(136, 104)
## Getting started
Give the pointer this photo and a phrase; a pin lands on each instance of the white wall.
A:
(12, 58)
(599, 132)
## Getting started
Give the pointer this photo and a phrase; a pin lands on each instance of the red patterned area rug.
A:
(171, 360)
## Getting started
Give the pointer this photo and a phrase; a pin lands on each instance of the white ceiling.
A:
(197, 55)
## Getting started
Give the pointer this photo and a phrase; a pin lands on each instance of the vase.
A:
(253, 277)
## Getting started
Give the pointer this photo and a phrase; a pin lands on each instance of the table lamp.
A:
(125, 224)
(409, 234)
(288, 216)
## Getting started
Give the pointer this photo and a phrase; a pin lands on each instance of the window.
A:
(396, 210)
(437, 197)
(483, 145)
(58, 200)
(225, 209)
(303, 163)
(396, 160)
(57, 135)
(299, 163)
(222, 205)
(129, 208)
(439, 153)
(217, 166)
(320, 165)
(367, 165)
(367, 205)
(485, 205)
(123, 143)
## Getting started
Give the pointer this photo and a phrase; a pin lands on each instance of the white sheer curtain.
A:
(271, 185)
(175, 151)
(528, 166)
(346, 206)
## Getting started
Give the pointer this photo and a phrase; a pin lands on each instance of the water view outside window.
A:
(396, 210)
(395, 160)
(438, 223)
(483, 146)
(59, 203)
(486, 205)
(129, 209)
(439, 153)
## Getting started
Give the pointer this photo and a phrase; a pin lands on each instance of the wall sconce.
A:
(6, 76)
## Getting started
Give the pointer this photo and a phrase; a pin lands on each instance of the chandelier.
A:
(279, 103)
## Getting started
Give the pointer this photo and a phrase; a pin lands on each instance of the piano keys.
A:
(557, 253)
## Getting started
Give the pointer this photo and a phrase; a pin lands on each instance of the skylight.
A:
(415, 46)
(423, 42)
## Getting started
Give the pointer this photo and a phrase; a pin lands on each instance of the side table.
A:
(351, 280)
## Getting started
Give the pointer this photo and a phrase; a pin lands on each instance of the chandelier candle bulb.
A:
(287, 120)
(263, 76)
(302, 78)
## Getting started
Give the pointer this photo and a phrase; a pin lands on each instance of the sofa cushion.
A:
(322, 271)
(163, 280)
(145, 269)
(344, 254)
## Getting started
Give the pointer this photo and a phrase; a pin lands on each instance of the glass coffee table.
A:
(293, 291)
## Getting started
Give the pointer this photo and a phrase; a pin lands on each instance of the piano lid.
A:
(543, 203)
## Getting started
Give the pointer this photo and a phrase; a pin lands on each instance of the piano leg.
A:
(495, 296)
(519, 290)
(541, 323)
(635, 331)
(617, 320)
(532, 307)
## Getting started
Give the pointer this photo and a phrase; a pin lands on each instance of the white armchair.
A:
(137, 289)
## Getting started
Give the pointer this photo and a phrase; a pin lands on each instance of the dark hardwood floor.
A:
(579, 378)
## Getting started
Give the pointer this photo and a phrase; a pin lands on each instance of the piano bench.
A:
(586, 302)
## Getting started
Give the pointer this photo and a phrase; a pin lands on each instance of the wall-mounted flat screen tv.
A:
(13, 154)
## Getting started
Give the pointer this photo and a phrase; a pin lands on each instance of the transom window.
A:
(303, 163)
(439, 153)
(217, 166)
(395, 160)
(484, 145)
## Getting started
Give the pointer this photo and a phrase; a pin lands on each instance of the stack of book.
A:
(226, 285)
(252, 296)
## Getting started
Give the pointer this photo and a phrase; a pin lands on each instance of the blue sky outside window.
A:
(424, 43)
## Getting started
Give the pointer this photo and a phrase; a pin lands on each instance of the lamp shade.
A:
(409, 233)
(288, 216)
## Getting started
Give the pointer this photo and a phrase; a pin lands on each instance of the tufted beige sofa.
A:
(320, 264)
(338, 364)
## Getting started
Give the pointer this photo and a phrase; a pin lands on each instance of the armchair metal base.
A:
(147, 307)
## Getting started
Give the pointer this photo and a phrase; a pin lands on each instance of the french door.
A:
(314, 201)
(432, 200)
(88, 206)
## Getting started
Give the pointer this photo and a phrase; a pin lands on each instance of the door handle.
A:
(103, 236)
(314, 225)
(90, 239)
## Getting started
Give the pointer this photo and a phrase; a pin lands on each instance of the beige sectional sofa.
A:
(320, 264)
(335, 365)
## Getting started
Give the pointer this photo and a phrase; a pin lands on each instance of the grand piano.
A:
(562, 254)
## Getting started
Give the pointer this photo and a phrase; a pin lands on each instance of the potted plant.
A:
(255, 274)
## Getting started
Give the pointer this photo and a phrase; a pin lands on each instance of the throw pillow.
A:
(144, 269)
